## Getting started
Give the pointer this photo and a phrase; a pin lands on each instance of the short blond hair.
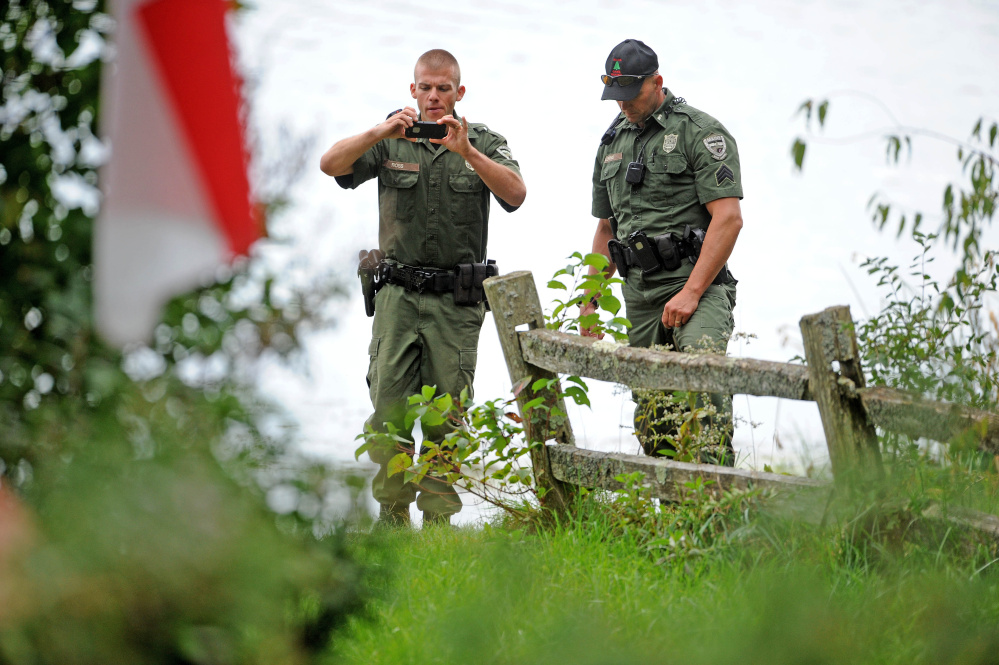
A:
(438, 59)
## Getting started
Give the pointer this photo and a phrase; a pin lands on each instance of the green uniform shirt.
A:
(690, 159)
(433, 207)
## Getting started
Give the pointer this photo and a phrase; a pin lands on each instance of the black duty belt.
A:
(661, 252)
(421, 280)
(465, 280)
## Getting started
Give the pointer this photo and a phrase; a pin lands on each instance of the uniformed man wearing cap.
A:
(433, 199)
(666, 190)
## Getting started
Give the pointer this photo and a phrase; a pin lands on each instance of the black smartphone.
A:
(426, 130)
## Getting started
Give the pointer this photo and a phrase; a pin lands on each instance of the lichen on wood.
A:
(898, 411)
(663, 370)
(850, 437)
(666, 479)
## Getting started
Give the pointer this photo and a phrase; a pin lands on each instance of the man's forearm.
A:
(601, 237)
(501, 180)
(339, 160)
(719, 241)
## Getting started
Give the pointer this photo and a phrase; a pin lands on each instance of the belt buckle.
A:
(418, 280)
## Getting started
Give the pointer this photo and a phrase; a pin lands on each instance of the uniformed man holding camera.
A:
(666, 191)
(433, 199)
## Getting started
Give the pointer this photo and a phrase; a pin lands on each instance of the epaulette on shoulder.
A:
(699, 118)
(481, 129)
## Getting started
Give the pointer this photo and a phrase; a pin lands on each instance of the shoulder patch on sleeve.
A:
(715, 143)
(505, 151)
(724, 173)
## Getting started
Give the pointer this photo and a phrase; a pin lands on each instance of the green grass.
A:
(599, 590)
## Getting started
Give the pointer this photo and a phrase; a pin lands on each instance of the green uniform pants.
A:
(710, 327)
(417, 340)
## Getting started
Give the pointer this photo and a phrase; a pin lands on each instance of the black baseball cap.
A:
(629, 58)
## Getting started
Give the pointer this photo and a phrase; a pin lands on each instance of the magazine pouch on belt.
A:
(468, 281)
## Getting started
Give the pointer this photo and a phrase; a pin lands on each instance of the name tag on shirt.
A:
(400, 166)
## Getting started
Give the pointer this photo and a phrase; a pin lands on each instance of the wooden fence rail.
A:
(833, 378)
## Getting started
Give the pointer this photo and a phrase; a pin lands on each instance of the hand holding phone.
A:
(426, 130)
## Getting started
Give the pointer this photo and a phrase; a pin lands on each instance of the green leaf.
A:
(428, 392)
(806, 107)
(596, 260)
(363, 448)
(537, 401)
(443, 403)
(578, 395)
(432, 418)
(892, 147)
(555, 284)
(542, 383)
(414, 414)
(798, 153)
(823, 109)
(610, 303)
(398, 464)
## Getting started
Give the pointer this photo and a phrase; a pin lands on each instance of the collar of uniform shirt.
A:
(659, 115)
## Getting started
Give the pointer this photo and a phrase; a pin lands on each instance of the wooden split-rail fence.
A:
(832, 377)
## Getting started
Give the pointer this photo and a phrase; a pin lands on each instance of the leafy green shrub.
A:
(936, 339)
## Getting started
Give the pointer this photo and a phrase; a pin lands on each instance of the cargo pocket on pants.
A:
(466, 364)
(372, 376)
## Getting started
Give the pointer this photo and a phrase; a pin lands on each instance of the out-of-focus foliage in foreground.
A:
(135, 545)
(144, 515)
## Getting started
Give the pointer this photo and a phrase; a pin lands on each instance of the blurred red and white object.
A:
(176, 192)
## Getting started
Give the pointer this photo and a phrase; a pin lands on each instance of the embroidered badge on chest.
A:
(715, 143)
(469, 165)
(669, 142)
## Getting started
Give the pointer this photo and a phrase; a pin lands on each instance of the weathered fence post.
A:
(852, 441)
(514, 302)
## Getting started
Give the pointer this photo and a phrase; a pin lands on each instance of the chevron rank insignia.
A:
(724, 173)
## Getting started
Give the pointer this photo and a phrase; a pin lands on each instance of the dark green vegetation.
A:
(699, 583)
(136, 544)
(134, 522)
